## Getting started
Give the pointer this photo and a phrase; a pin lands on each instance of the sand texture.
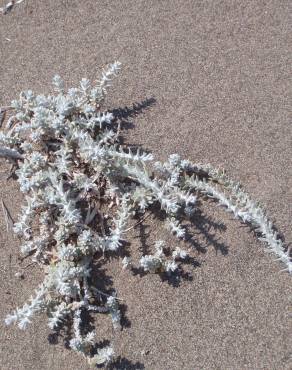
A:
(212, 80)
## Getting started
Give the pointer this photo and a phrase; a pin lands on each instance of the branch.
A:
(10, 153)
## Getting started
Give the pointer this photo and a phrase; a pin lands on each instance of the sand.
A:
(217, 72)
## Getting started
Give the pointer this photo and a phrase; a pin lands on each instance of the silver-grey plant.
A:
(68, 161)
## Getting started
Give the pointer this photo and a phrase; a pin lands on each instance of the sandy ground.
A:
(218, 72)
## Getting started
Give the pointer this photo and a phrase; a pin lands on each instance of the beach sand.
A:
(214, 75)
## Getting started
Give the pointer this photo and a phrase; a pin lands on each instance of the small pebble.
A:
(145, 352)
(19, 275)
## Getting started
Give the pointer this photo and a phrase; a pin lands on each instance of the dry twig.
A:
(10, 153)
(9, 6)
(8, 218)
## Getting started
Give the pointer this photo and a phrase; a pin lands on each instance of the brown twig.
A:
(2, 116)
(7, 215)
(105, 294)
(100, 215)
(4, 109)
(30, 264)
(138, 223)
(11, 171)
(10, 153)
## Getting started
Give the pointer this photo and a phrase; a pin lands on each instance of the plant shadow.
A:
(198, 223)
(122, 363)
(123, 120)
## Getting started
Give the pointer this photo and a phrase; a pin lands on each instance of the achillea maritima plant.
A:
(74, 172)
